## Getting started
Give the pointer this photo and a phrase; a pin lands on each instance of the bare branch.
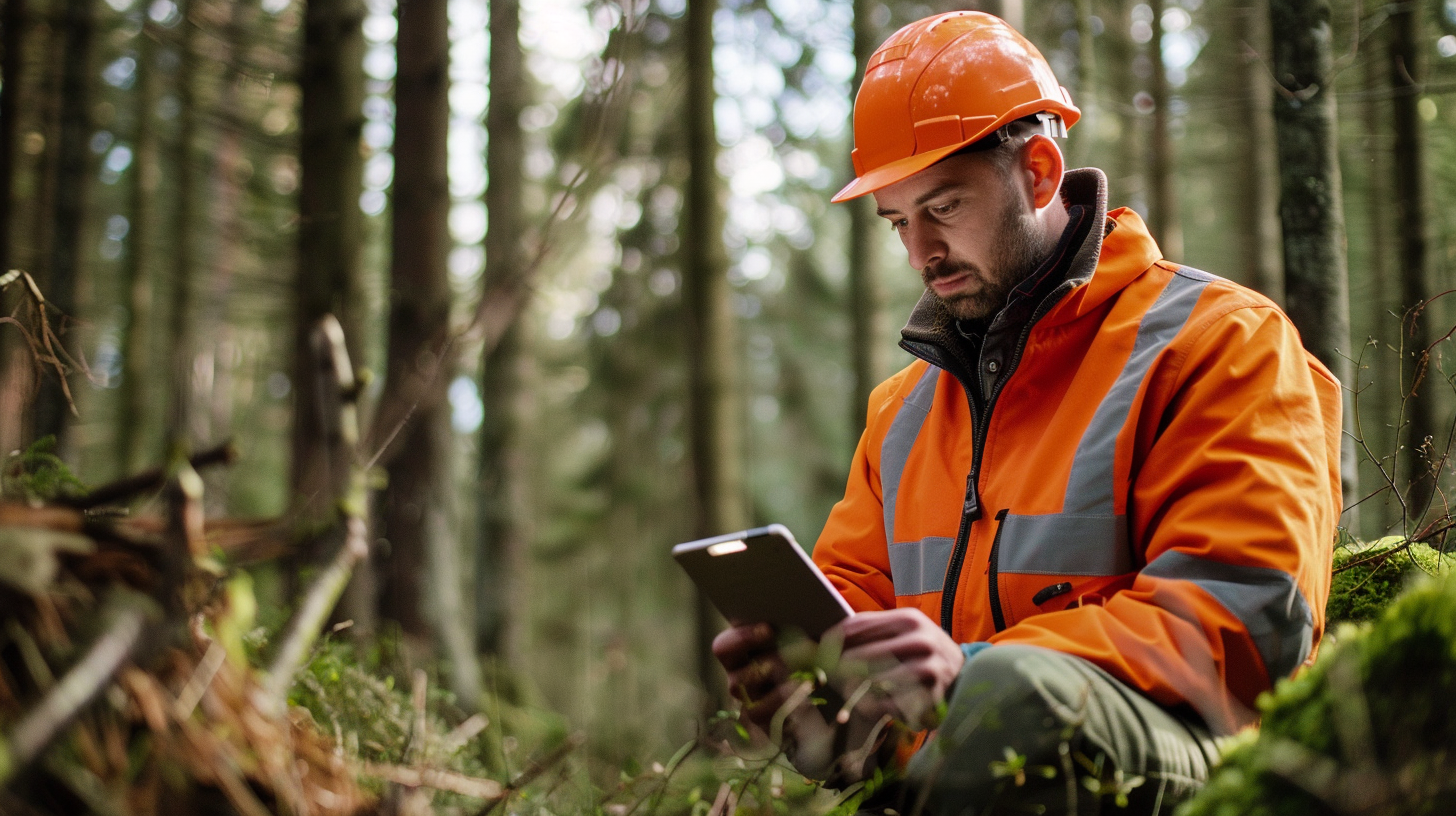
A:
(304, 628)
(223, 454)
(438, 779)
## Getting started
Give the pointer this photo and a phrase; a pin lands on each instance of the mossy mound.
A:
(1369, 577)
(1369, 729)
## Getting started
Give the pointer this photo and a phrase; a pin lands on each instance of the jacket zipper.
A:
(998, 617)
(971, 508)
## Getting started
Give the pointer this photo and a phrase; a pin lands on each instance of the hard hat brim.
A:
(899, 170)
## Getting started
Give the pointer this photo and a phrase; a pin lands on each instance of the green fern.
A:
(37, 474)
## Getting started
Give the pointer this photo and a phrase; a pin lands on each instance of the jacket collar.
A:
(1117, 255)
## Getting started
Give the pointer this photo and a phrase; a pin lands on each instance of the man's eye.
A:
(943, 209)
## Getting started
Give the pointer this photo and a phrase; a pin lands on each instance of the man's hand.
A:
(779, 704)
(895, 665)
(898, 663)
(756, 671)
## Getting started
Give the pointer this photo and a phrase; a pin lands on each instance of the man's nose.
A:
(924, 244)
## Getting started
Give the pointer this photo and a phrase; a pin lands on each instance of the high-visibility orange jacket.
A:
(1148, 477)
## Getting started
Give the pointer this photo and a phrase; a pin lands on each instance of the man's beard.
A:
(1022, 246)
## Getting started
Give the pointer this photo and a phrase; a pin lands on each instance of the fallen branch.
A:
(451, 781)
(223, 454)
(303, 628)
(68, 698)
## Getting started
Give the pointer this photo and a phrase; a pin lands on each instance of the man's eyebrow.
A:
(924, 197)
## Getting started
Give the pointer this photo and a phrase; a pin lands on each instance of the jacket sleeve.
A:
(1235, 494)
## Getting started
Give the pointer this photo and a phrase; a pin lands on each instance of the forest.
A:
(361, 361)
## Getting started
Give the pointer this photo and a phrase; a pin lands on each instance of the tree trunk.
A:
(1311, 210)
(226, 247)
(327, 280)
(16, 377)
(864, 242)
(712, 362)
(180, 334)
(1409, 184)
(12, 72)
(134, 445)
(1127, 179)
(500, 477)
(1084, 137)
(1163, 216)
(1257, 208)
(423, 550)
(1383, 399)
(73, 180)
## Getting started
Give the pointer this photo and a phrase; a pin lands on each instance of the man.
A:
(1093, 521)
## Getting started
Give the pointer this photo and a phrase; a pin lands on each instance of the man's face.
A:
(970, 230)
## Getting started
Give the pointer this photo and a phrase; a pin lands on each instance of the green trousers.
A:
(1030, 730)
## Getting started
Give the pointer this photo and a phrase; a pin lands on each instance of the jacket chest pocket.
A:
(1050, 562)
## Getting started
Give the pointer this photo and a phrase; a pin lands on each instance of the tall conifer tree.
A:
(1311, 207)
(716, 435)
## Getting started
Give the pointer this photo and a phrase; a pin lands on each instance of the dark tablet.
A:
(762, 575)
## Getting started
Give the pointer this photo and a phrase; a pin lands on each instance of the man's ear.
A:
(1042, 161)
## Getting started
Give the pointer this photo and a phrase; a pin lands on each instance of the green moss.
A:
(1368, 729)
(1369, 577)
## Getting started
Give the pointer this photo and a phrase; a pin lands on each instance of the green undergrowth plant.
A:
(36, 474)
(1368, 730)
(375, 719)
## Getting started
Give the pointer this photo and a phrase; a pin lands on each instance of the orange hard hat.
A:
(940, 84)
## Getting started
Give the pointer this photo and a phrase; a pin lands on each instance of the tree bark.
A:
(1383, 398)
(180, 329)
(134, 448)
(12, 71)
(224, 247)
(1127, 180)
(416, 521)
(1084, 137)
(1409, 185)
(1257, 207)
(1163, 216)
(73, 180)
(866, 361)
(712, 363)
(327, 280)
(1311, 210)
(16, 377)
(500, 476)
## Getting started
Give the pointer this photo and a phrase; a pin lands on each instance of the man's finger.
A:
(755, 678)
(736, 646)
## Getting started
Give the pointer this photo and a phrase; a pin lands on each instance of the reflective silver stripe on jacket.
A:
(916, 567)
(1266, 600)
(1088, 537)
